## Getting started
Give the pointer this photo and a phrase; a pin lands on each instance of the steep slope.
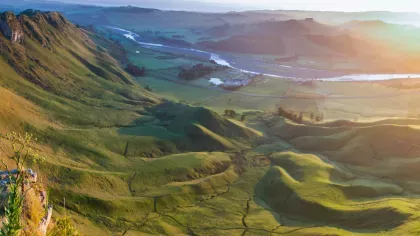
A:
(53, 63)
(102, 135)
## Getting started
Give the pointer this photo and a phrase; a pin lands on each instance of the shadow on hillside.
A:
(188, 129)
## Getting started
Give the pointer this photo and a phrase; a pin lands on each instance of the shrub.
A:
(16, 181)
(62, 227)
(230, 113)
(148, 88)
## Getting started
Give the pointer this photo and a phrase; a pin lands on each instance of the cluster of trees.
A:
(230, 113)
(298, 118)
(290, 115)
(233, 114)
(318, 118)
(195, 72)
(148, 88)
(135, 70)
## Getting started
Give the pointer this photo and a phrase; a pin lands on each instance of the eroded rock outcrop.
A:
(57, 20)
(10, 27)
(33, 25)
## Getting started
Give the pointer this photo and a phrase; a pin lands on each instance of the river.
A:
(246, 64)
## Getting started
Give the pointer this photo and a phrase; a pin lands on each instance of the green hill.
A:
(111, 148)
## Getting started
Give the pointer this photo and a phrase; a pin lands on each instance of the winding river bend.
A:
(244, 64)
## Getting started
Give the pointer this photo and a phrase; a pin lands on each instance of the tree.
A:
(290, 115)
(282, 112)
(300, 118)
(243, 118)
(230, 113)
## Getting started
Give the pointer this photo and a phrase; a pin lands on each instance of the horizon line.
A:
(245, 8)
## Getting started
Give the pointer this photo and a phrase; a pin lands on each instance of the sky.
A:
(318, 5)
(330, 5)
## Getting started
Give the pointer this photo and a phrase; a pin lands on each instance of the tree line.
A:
(298, 118)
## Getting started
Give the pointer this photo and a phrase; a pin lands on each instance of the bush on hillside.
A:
(20, 190)
(230, 113)
(64, 227)
(148, 88)
(320, 118)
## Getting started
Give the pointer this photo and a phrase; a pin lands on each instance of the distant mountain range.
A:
(331, 17)
(185, 5)
(328, 17)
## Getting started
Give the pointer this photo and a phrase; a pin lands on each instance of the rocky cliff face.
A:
(10, 27)
(33, 25)
(57, 20)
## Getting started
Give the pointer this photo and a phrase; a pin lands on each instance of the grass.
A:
(87, 113)
(127, 160)
(313, 195)
(401, 103)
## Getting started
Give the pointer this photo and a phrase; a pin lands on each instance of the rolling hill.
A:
(128, 161)
(97, 128)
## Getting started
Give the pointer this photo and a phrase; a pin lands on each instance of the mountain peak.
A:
(32, 24)
(10, 27)
(56, 19)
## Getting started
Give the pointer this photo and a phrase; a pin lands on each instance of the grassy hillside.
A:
(111, 148)
(130, 162)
